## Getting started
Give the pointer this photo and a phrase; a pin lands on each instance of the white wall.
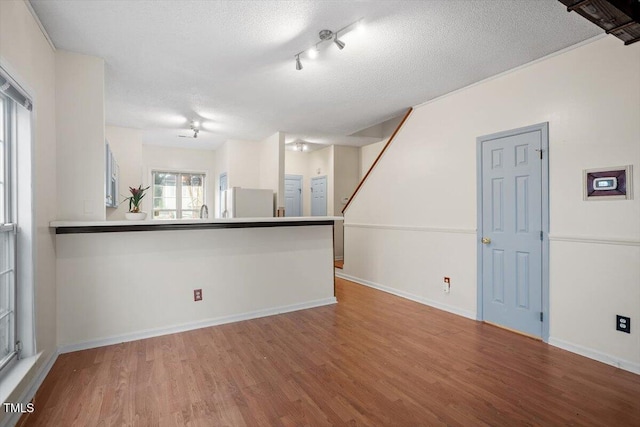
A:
(272, 166)
(241, 160)
(243, 163)
(368, 155)
(297, 163)
(253, 164)
(222, 166)
(381, 130)
(321, 163)
(126, 145)
(80, 135)
(116, 287)
(345, 173)
(26, 55)
(179, 160)
(345, 179)
(405, 231)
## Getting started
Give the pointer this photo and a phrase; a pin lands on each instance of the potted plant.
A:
(137, 194)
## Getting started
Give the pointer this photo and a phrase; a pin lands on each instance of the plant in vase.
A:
(137, 194)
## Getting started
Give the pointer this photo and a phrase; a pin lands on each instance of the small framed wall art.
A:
(613, 183)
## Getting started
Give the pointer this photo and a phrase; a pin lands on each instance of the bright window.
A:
(7, 237)
(17, 321)
(177, 195)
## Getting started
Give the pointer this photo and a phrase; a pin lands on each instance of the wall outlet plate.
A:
(623, 324)
(447, 285)
(197, 294)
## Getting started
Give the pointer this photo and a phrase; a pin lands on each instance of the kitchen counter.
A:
(115, 286)
(73, 227)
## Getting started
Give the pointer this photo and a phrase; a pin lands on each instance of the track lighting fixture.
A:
(326, 35)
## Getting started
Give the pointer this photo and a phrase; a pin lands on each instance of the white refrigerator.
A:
(247, 203)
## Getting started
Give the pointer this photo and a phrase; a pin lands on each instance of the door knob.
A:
(486, 240)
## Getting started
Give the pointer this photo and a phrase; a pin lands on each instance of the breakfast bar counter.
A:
(149, 272)
(72, 227)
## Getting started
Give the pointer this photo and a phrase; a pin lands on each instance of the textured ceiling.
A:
(231, 64)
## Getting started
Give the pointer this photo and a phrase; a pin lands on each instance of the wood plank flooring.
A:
(373, 359)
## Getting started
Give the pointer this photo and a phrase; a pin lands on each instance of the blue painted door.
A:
(293, 195)
(511, 233)
(221, 187)
(319, 196)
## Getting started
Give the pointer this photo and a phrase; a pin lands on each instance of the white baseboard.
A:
(596, 355)
(11, 419)
(565, 345)
(149, 333)
(339, 258)
(409, 296)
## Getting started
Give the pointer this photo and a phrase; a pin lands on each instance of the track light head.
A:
(338, 43)
(298, 63)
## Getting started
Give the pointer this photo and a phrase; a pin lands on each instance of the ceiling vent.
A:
(618, 17)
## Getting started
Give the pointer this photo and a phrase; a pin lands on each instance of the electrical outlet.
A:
(623, 324)
(447, 285)
(197, 294)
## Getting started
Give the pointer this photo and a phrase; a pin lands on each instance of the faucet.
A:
(204, 211)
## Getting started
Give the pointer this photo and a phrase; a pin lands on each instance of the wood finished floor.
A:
(372, 359)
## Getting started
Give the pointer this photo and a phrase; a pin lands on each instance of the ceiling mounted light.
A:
(195, 128)
(300, 146)
(327, 36)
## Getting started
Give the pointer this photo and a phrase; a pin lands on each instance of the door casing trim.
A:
(543, 128)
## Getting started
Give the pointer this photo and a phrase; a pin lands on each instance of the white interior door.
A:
(319, 196)
(511, 230)
(293, 195)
